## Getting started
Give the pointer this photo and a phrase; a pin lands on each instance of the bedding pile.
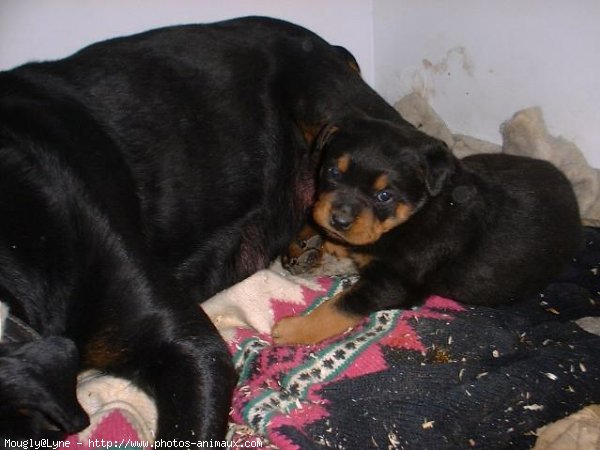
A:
(441, 376)
(524, 134)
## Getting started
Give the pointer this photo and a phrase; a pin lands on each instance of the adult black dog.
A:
(485, 230)
(138, 177)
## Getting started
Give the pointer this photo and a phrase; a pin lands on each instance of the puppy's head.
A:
(374, 176)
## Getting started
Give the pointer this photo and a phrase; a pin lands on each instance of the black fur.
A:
(484, 230)
(138, 177)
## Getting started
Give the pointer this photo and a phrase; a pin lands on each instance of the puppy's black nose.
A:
(342, 218)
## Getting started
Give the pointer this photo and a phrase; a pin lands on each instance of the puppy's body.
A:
(527, 227)
(137, 178)
(502, 227)
(485, 230)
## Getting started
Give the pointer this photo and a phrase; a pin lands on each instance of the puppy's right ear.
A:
(317, 135)
(325, 135)
(38, 388)
(440, 164)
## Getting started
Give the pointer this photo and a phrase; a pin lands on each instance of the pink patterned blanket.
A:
(280, 386)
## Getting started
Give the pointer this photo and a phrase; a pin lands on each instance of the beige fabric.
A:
(579, 431)
(415, 109)
(100, 394)
(523, 134)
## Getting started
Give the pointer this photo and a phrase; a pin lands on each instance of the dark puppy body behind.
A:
(521, 222)
(485, 230)
(137, 178)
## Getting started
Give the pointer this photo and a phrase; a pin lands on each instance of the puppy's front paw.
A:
(292, 330)
(324, 322)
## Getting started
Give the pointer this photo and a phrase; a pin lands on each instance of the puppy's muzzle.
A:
(342, 217)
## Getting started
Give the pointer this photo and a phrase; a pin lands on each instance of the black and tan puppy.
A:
(484, 230)
(138, 177)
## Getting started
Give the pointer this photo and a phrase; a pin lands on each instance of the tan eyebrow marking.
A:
(380, 183)
(343, 163)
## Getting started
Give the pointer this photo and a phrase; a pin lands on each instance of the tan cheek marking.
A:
(364, 230)
(403, 212)
(380, 183)
(343, 163)
(324, 322)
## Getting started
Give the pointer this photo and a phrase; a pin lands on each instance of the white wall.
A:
(49, 29)
(478, 62)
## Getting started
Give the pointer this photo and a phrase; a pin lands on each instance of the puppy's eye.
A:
(334, 173)
(383, 196)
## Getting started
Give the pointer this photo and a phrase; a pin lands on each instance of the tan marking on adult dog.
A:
(102, 352)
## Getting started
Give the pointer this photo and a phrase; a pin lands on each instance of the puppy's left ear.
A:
(440, 164)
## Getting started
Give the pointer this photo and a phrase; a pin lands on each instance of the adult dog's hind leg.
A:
(192, 380)
(180, 360)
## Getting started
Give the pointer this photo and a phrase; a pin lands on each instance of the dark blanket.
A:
(444, 376)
